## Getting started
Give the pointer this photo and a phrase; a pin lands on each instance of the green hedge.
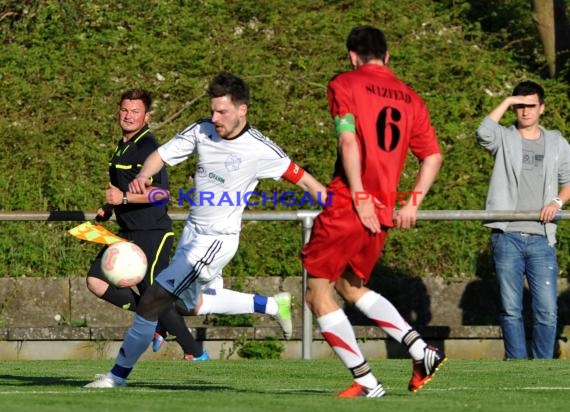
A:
(64, 64)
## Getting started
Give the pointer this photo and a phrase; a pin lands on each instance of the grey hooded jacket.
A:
(505, 144)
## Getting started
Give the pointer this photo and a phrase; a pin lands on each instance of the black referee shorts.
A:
(156, 244)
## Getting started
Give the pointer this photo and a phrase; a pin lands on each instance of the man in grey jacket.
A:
(531, 172)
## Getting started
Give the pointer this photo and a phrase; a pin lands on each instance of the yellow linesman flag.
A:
(94, 233)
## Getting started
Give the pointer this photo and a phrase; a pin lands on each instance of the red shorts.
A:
(340, 241)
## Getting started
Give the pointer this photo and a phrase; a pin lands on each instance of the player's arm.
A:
(349, 153)
(151, 166)
(429, 168)
(300, 177)
(116, 196)
(154, 194)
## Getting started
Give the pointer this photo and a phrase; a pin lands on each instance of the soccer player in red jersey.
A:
(378, 118)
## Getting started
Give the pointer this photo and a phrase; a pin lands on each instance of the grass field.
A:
(283, 385)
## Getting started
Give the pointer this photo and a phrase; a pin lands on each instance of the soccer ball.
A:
(124, 264)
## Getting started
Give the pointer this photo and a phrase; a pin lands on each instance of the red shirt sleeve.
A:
(339, 98)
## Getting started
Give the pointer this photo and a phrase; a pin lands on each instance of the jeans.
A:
(516, 254)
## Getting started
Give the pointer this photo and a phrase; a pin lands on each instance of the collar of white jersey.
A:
(243, 131)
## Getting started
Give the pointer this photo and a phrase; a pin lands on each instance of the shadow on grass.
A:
(28, 381)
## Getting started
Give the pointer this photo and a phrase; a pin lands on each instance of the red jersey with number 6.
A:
(390, 118)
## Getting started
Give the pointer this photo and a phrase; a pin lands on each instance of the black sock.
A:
(410, 338)
(123, 298)
(175, 325)
(161, 330)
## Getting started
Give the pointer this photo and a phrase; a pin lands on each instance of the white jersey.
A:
(227, 172)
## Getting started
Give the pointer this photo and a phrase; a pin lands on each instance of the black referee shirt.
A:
(125, 164)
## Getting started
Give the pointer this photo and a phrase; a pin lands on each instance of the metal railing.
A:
(306, 217)
(298, 215)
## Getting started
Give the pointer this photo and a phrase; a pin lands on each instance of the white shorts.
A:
(197, 264)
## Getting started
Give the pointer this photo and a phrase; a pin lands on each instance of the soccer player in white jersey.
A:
(232, 158)
(213, 298)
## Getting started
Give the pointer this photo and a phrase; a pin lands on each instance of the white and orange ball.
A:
(124, 264)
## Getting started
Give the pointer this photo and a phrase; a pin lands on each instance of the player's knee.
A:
(155, 300)
(349, 287)
(312, 299)
(96, 286)
(348, 294)
(182, 310)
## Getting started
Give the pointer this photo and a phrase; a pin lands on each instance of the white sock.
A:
(229, 302)
(338, 332)
(381, 311)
